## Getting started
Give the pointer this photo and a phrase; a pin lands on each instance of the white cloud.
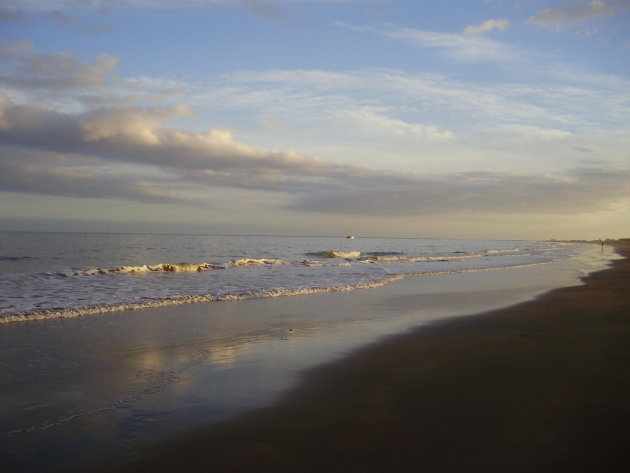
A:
(380, 124)
(142, 126)
(430, 99)
(538, 134)
(422, 121)
(461, 47)
(408, 105)
(489, 25)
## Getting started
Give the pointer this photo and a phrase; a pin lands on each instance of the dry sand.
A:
(542, 386)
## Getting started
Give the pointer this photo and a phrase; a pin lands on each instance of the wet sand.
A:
(541, 386)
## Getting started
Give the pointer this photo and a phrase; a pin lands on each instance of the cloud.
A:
(379, 124)
(77, 24)
(409, 106)
(263, 8)
(7, 14)
(25, 68)
(461, 47)
(536, 133)
(11, 51)
(578, 12)
(578, 191)
(489, 25)
(54, 174)
(134, 154)
(140, 136)
(46, 5)
(431, 100)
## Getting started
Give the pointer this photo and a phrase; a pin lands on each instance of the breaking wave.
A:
(52, 292)
(162, 267)
(323, 258)
(336, 254)
(235, 296)
(176, 267)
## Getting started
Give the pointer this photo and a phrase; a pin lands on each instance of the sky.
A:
(494, 119)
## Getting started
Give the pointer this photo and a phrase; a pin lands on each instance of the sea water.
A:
(111, 342)
(52, 275)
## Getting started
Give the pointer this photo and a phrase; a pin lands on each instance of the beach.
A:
(539, 386)
(353, 378)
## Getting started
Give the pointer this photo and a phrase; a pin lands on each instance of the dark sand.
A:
(542, 386)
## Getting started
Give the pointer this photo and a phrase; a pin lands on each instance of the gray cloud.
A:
(264, 9)
(138, 135)
(7, 14)
(24, 67)
(578, 12)
(43, 173)
(77, 24)
(578, 191)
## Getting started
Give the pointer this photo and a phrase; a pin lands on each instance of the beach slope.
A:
(541, 386)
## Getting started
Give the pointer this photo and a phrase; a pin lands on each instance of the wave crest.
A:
(145, 268)
(337, 254)
(255, 262)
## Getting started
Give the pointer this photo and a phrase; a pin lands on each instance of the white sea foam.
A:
(171, 301)
(236, 296)
(412, 259)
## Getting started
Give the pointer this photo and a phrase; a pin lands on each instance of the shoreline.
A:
(70, 312)
(513, 389)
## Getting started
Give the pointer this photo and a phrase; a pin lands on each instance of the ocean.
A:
(51, 275)
(111, 342)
